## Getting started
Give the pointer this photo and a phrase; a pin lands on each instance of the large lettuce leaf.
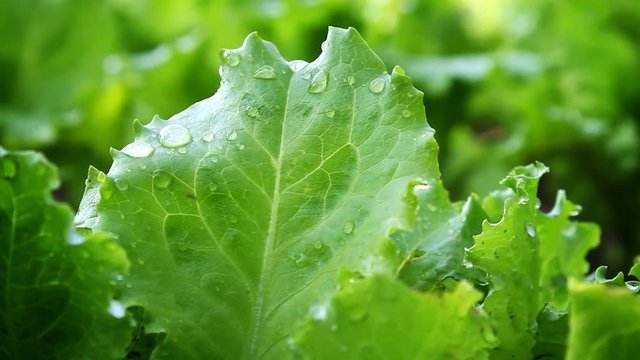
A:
(56, 293)
(238, 213)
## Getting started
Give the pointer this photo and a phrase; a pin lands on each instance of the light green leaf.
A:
(564, 245)
(238, 212)
(435, 247)
(509, 253)
(56, 297)
(604, 323)
(380, 318)
(528, 257)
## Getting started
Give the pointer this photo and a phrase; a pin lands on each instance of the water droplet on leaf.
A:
(240, 146)
(265, 72)
(231, 58)
(376, 85)
(531, 229)
(300, 260)
(161, 178)
(138, 149)
(319, 312)
(318, 83)
(232, 135)
(330, 113)
(175, 136)
(351, 79)
(207, 136)
(318, 245)
(116, 309)
(213, 186)
(253, 112)
(74, 238)
(406, 113)
(348, 227)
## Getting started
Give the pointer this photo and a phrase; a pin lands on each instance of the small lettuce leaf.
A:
(434, 248)
(56, 284)
(509, 253)
(238, 212)
(381, 318)
(604, 322)
(528, 257)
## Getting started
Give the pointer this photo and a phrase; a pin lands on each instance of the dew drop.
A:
(233, 219)
(231, 58)
(406, 113)
(318, 83)
(319, 312)
(74, 238)
(297, 65)
(351, 80)
(376, 85)
(161, 179)
(348, 227)
(232, 135)
(207, 136)
(174, 136)
(213, 186)
(330, 113)
(253, 112)
(240, 146)
(300, 260)
(318, 245)
(306, 75)
(214, 159)
(122, 185)
(182, 150)
(138, 149)
(265, 72)
(116, 309)
(531, 229)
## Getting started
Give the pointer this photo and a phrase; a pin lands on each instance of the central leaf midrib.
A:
(257, 321)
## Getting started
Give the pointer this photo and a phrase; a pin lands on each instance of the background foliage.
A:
(506, 83)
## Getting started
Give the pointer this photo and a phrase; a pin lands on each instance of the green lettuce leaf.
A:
(56, 284)
(380, 318)
(604, 322)
(238, 213)
(528, 256)
(434, 249)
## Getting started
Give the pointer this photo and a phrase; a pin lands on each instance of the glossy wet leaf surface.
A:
(251, 201)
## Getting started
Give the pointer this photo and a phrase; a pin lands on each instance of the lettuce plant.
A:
(296, 213)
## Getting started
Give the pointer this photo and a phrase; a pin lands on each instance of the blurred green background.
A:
(505, 83)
